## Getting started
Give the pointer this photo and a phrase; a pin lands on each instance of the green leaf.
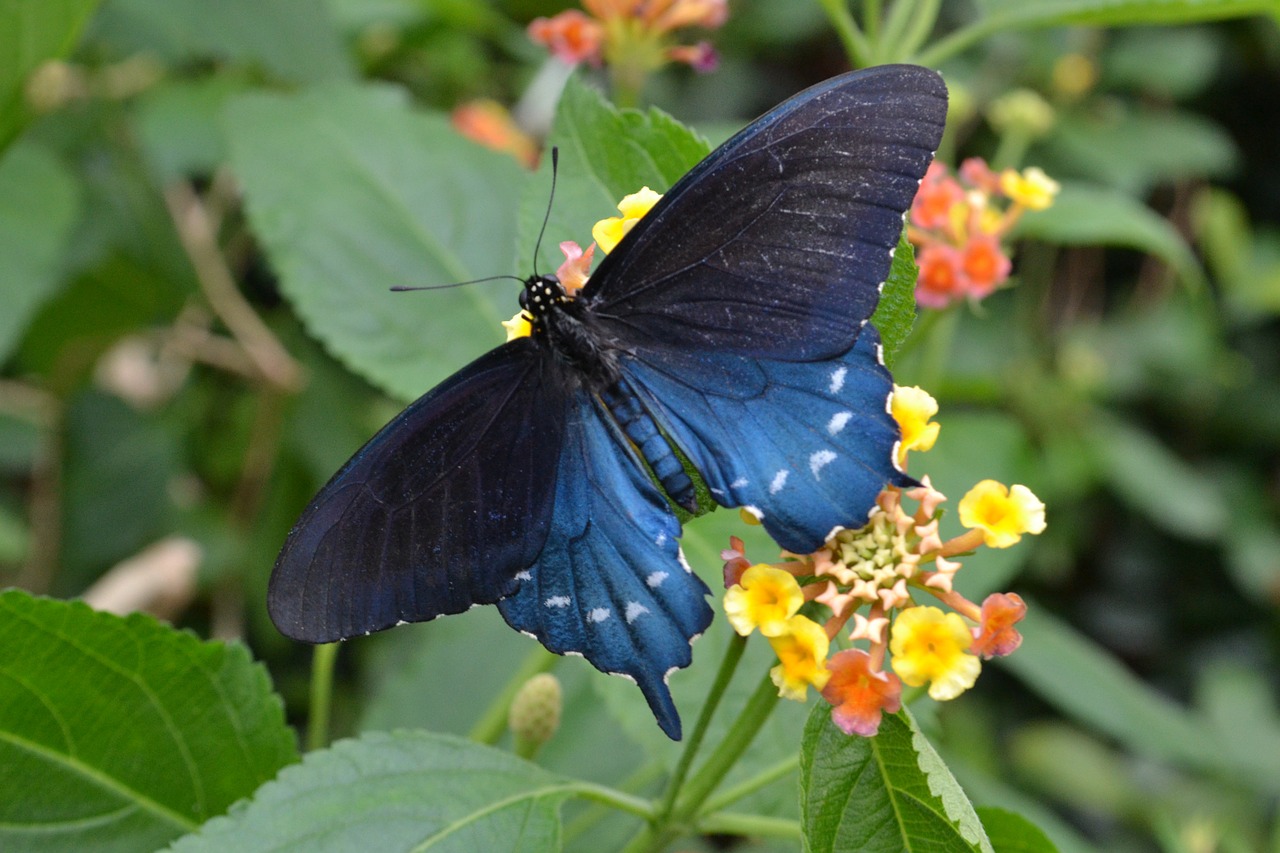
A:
(605, 154)
(1012, 833)
(352, 193)
(292, 39)
(31, 33)
(398, 791)
(121, 734)
(178, 126)
(1080, 679)
(887, 793)
(39, 203)
(896, 313)
(1092, 216)
(1019, 14)
(1150, 478)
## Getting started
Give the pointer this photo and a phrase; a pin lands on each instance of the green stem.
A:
(855, 43)
(735, 743)
(598, 811)
(493, 722)
(322, 662)
(872, 18)
(901, 13)
(747, 787)
(957, 42)
(750, 826)
(732, 655)
(919, 28)
(1011, 150)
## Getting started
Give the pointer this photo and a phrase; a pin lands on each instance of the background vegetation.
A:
(202, 205)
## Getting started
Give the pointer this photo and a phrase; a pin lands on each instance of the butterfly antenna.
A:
(555, 168)
(401, 288)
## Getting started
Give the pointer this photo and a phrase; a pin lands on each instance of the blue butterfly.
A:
(730, 322)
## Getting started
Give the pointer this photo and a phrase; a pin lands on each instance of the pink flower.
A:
(859, 694)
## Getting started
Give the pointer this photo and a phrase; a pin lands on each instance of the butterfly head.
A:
(541, 293)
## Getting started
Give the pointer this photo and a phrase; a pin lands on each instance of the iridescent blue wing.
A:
(805, 445)
(775, 245)
(611, 583)
(438, 512)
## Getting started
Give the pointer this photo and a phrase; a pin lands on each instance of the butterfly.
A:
(730, 323)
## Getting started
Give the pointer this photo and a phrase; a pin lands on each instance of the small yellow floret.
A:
(1002, 514)
(765, 598)
(802, 652)
(911, 408)
(1031, 188)
(609, 232)
(518, 326)
(930, 646)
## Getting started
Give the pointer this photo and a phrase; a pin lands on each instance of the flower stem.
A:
(322, 662)
(732, 655)
(493, 721)
(855, 43)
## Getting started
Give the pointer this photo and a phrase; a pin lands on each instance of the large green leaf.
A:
(293, 39)
(39, 202)
(399, 791)
(121, 734)
(605, 154)
(887, 793)
(30, 33)
(353, 193)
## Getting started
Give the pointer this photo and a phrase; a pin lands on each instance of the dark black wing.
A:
(775, 246)
(438, 512)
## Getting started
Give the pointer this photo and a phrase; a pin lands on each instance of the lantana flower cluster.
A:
(958, 225)
(633, 34)
(870, 582)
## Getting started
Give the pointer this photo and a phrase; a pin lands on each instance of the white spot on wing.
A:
(754, 510)
(557, 601)
(598, 614)
(635, 610)
(524, 575)
(820, 459)
(738, 483)
(655, 579)
(683, 561)
(662, 537)
(780, 478)
(838, 422)
(837, 379)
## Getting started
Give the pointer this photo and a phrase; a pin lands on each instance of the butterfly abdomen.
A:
(639, 426)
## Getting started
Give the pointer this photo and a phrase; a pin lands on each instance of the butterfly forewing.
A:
(437, 512)
(776, 244)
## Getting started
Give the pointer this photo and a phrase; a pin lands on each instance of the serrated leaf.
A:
(122, 733)
(605, 154)
(39, 203)
(395, 791)
(31, 33)
(887, 793)
(1010, 832)
(1092, 216)
(352, 193)
(896, 313)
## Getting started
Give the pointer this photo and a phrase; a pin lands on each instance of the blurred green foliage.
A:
(202, 205)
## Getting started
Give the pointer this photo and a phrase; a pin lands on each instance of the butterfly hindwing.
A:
(437, 512)
(775, 245)
(807, 445)
(611, 583)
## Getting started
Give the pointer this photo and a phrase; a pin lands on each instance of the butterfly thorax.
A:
(566, 325)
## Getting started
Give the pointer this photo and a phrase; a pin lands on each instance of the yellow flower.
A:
(912, 408)
(518, 326)
(609, 232)
(1002, 514)
(929, 645)
(802, 651)
(1031, 188)
(765, 598)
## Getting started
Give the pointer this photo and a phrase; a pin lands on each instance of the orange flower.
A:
(571, 36)
(996, 636)
(576, 267)
(860, 694)
(985, 265)
(942, 277)
(490, 124)
(934, 201)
